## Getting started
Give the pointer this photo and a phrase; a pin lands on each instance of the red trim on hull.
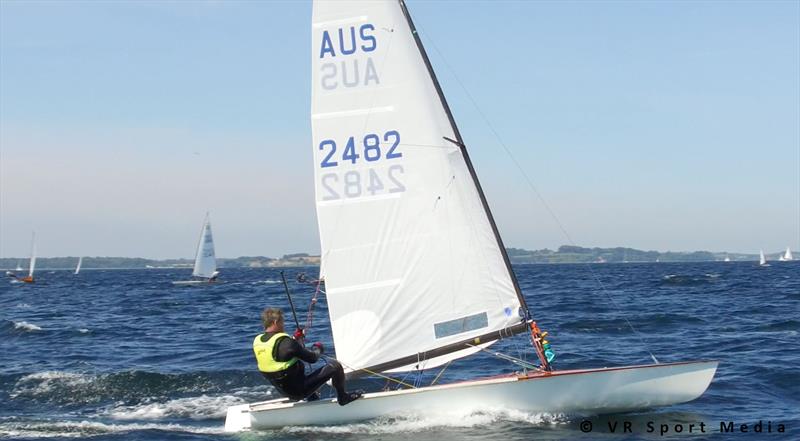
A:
(541, 375)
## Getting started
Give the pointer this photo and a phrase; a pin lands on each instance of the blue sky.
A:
(654, 125)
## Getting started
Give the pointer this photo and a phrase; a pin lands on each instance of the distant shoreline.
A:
(564, 254)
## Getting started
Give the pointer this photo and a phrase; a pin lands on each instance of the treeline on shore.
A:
(576, 254)
(564, 254)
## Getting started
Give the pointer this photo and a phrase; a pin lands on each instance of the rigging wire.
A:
(536, 192)
(440, 373)
(371, 372)
(514, 360)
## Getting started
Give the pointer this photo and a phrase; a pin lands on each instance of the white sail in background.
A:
(762, 260)
(78, 268)
(205, 263)
(18, 268)
(410, 259)
(32, 264)
(787, 256)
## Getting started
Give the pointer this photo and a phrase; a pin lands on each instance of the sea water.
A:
(124, 355)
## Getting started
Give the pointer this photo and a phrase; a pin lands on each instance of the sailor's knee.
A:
(335, 365)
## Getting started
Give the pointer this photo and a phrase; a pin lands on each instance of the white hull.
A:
(591, 391)
(193, 282)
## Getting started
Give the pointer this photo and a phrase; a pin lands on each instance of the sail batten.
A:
(411, 257)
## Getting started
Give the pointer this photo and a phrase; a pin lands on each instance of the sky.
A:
(662, 125)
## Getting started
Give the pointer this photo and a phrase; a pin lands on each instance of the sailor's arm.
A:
(290, 348)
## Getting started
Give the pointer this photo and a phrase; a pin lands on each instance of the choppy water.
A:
(123, 355)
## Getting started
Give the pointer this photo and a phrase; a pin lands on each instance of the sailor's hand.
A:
(299, 335)
(319, 347)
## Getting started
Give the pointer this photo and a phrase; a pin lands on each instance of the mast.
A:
(460, 143)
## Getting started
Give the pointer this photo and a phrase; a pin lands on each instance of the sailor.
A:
(280, 360)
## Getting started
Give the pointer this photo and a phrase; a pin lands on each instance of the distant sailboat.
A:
(205, 263)
(762, 260)
(727, 259)
(787, 256)
(78, 268)
(32, 266)
(19, 267)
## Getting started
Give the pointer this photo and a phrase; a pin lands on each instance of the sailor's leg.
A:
(331, 371)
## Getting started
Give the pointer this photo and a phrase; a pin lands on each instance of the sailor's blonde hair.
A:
(270, 316)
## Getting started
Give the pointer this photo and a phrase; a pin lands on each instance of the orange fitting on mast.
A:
(536, 339)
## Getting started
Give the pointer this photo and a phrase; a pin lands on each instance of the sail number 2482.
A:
(372, 148)
(377, 173)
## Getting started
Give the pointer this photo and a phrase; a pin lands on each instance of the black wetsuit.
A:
(293, 382)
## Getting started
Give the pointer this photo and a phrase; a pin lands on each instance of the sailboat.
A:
(205, 263)
(762, 259)
(787, 256)
(32, 265)
(416, 274)
(78, 268)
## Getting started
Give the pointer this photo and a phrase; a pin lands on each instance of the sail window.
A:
(461, 325)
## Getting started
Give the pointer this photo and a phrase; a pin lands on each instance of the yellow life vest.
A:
(264, 350)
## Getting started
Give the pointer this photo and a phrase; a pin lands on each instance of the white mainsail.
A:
(411, 259)
(787, 256)
(205, 263)
(78, 268)
(762, 260)
(32, 264)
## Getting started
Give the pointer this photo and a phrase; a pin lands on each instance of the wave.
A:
(267, 282)
(82, 429)
(689, 279)
(44, 383)
(203, 407)
(783, 325)
(611, 326)
(19, 327)
(131, 388)
(661, 319)
(25, 326)
(410, 423)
